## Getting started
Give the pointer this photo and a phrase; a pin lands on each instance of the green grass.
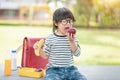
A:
(98, 46)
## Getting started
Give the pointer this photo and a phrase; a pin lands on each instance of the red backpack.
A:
(29, 59)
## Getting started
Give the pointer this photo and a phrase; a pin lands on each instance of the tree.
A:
(85, 7)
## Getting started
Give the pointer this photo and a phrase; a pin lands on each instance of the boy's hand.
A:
(37, 46)
(70, 36)
(71, 33)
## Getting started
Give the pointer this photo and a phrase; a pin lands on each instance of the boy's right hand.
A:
(37, 46)
(36, 49)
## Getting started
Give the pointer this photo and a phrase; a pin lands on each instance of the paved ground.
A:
(101, 72)
(91, 72)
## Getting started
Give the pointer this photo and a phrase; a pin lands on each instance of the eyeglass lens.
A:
(66, 21)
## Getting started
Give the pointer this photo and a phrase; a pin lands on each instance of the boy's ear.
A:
(55, 23)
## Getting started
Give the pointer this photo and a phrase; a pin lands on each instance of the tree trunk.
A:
(88, 22)
(98, 17)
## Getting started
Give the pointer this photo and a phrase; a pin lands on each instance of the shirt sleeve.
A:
(78, 50)
(46, 47)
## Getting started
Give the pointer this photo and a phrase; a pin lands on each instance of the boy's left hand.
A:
(70, 36)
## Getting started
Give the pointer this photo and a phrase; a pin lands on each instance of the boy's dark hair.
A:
(60, 14)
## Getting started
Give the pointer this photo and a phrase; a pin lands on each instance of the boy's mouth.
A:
(66, 28)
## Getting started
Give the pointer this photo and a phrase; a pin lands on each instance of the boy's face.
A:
(62, 25)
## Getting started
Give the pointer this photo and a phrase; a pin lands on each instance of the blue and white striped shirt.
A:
(59, 51)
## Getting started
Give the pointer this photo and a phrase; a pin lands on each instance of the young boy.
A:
(60, 47)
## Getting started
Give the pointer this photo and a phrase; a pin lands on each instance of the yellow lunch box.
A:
(31, 72)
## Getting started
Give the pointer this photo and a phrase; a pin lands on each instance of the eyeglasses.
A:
(65, 21)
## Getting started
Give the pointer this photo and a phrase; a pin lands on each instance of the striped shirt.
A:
(59, 51)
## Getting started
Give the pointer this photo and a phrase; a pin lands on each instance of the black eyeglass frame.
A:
(65, 21)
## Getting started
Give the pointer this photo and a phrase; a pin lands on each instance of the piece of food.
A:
(71, 30)
(39, 45)
(38, 70)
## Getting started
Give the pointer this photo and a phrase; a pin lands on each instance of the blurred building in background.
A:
(24, 9)
(30, 11)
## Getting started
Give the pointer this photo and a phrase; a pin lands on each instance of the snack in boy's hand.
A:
(71, 30)
(39, 45)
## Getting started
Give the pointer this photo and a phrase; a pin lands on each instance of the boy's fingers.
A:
(35, 45)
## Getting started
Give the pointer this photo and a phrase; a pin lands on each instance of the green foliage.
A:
(87, 11)
(109, 20)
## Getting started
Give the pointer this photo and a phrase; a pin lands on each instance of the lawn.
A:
(98, 47)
